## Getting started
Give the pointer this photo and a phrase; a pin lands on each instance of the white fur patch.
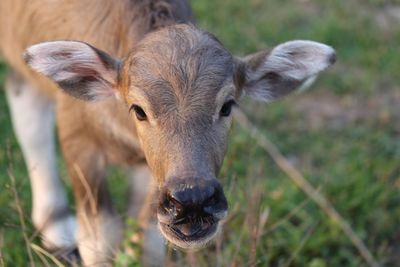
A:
(33, 121)
(60, 234)
(99, 238)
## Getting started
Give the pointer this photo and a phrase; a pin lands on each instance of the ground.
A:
(343, 135)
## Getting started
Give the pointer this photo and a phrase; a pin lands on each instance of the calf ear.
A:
(78, 68)
(267, 76)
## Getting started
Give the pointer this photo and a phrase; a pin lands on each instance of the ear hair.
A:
(270, 75)
(78, 68)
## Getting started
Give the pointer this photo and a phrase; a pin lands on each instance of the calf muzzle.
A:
(190, 210)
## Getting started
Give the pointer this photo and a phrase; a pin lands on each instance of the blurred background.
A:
(343, 135)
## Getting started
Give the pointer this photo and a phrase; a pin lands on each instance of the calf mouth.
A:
(190, 233)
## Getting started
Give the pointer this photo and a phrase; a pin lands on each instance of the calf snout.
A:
(191, 198)
(190, 209)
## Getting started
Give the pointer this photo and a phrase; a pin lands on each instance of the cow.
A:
(132, 83)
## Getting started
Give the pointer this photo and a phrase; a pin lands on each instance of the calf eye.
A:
(139, 112)
(227, 108)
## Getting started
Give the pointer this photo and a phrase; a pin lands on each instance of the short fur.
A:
(140, 84)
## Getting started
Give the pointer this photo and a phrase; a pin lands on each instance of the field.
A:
(343, 135)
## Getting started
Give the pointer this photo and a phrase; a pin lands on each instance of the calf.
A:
(142, 88)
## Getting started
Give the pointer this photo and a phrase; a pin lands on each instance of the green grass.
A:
(352, 155)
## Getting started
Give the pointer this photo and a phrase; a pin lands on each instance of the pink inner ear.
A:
(82, 70)
(62, 55)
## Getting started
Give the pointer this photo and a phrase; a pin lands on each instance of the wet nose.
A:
(193, 198)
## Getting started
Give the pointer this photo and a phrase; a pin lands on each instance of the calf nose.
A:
(194, 197)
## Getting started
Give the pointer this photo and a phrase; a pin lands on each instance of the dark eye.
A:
(227, 108)
(139, 112)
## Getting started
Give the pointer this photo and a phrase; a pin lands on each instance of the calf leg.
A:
(33, 122)
(99, 229)
(140, 186)
(143, 195)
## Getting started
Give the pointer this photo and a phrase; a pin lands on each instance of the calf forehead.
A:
(181, 68)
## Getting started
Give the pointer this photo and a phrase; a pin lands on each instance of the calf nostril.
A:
(216, 204)
(173, 207)
(211, 201)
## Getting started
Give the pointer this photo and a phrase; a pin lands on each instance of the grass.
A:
(348, 146)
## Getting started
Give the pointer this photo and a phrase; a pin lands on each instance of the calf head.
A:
(180, 84)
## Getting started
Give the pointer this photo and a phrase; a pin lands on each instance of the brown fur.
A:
(149, 55)
(112, 26)
(180, 71)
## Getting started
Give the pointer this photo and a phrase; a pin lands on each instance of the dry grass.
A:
(21, 215)
(347, 145)
(306, 187)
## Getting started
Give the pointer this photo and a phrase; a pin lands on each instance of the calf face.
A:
(180, 85)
